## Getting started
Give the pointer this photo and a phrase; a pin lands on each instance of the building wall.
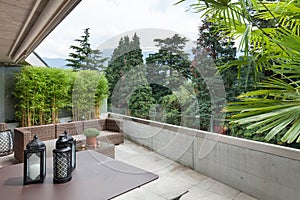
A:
(265, 171)
(7, 100)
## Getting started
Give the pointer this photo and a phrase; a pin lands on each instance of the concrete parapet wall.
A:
(265, 171)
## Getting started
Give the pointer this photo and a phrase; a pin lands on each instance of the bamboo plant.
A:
(41, 93)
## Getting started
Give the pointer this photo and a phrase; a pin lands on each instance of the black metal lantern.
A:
(34, 162)
(72, 143)
(62, 156)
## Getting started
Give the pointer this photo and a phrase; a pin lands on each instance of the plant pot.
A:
(220, 130)
(91, 141)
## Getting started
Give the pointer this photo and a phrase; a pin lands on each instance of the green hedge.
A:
(90, 88)
(43, 92)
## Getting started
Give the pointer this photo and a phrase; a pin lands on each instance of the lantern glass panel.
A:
(73, 155)
(44, 163)
(33, 166)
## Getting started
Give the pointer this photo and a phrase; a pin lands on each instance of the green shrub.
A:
(91, 132)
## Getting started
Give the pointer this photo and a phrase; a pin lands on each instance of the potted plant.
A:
(91, 136)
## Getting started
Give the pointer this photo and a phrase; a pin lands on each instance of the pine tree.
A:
(141, 102)
(85, 58)
(96, 61)
(77, 59)
(127, 56)
(139, 93)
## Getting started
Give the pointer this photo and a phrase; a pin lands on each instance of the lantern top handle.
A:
(61, 142)
(36, 143)
(68, 136)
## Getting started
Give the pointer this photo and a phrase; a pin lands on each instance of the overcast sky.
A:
(109, 18)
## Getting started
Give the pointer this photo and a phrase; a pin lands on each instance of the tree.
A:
(82, 52)
(215, 43)
(84, 57)
(141, 101)
(170, 57)
(171, 109)
(96, 61)
(165, 66)
(181, 107)
(127, 56)
(201, 75)
(220, 47)
(274, 105)
(212, 50)
(165, 71)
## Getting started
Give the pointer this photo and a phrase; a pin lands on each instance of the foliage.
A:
(91, 132)
(95, 61)
(247, 20)
(90, 87)
(215, 43)
(181, 107)
(273, 106)
(41, 93)
(127, 56)
(170, 69)
(170, 57)
(101, 94)
(212, 51)
(77, 59)
(159, 91)
(141, 101)
(171, 112)
(166, 70)
(84, 57)
(201, 79)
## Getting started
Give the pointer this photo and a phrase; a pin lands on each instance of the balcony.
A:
(208, 165)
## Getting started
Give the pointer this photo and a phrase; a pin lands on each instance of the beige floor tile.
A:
(198, 193)
(243, 196)
(174, 178)
(218, 188)
(139, 194)
(167, 187)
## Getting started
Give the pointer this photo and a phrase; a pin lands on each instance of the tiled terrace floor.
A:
(174, 178)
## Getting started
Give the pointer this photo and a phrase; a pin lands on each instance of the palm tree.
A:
(270, 38)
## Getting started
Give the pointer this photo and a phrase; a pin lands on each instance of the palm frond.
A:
(287, 39)
(285, 13)
(271, 109)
